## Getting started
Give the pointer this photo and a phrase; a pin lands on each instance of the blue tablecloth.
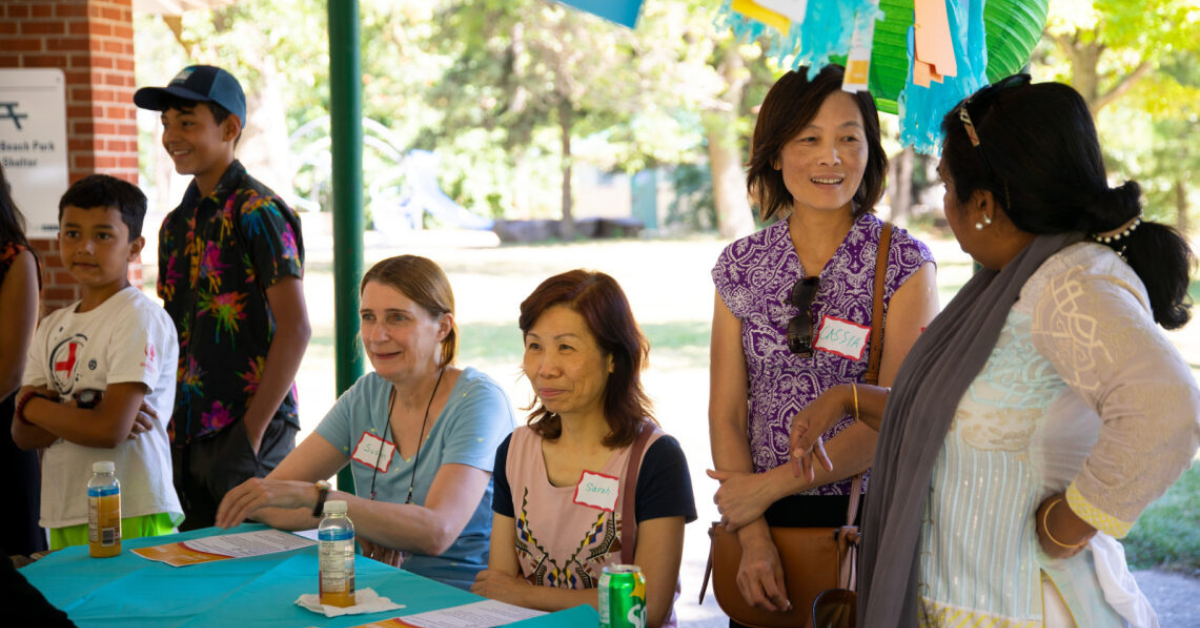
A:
(259, 592)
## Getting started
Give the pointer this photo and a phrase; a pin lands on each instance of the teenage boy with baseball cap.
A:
(230, 269)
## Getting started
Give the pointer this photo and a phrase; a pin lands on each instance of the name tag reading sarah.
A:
(842, 337)
(596, 490)
(372, 450)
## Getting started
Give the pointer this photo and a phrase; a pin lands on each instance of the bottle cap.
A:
(335, 507)
(104, 466)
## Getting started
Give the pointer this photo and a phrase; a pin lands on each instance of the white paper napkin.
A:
(366, 601)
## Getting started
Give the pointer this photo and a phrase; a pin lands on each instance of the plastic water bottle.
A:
(336, 550)
(104, 511)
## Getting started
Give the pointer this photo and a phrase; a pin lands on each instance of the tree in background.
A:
(653, 95)
(514, 94)
(1111, 45)
(283, 69)
(505, 91)
(1134, 63)
(1168, 102)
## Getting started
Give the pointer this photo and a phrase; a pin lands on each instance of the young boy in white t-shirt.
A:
(100, 372)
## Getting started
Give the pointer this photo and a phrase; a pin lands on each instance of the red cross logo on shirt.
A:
(64, 358)
(67, 365)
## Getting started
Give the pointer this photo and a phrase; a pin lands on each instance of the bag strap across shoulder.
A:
(628, 519)
(847, 535)
(881, 264)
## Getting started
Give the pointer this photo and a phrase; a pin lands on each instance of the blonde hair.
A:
(423, 281)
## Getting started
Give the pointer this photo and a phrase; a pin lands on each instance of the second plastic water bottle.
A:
(336, 549)
(104, 511)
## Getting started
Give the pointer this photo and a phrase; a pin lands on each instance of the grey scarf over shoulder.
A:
(931, 382)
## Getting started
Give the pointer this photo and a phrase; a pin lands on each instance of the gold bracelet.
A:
(1046, 527)
(854, 388)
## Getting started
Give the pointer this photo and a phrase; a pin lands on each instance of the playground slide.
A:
(428, 196)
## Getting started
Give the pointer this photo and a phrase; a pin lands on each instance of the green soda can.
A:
(622, 597)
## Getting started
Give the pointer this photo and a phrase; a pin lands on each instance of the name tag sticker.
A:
(371, 450)
(596, 490)
(842, 338)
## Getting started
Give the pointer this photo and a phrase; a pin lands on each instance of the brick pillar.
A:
(92, 42)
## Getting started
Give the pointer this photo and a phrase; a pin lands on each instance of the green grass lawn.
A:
(1167, 535)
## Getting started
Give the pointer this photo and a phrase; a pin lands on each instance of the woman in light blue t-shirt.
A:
(419, 434)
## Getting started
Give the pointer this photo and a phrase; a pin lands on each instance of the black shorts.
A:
(206, 469)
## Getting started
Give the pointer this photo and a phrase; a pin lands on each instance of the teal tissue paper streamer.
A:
(827, 31)
(921, 108)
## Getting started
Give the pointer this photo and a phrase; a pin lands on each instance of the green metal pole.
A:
(345, 111)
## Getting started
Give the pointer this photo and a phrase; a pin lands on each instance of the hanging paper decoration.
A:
(933, 52)
(760, 13)
(1011, 29)
(793, 10)
(858, 64)
(824, 32)
(827, 31)
(922, 107)
(623, 12)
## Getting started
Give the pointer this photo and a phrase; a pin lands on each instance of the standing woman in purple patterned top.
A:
(818, 165)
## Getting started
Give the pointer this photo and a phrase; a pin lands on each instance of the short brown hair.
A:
(598, 298)
(423, 281)
(790, 106)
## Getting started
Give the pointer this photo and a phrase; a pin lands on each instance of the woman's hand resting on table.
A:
(385, 555)
(741, 498)
(255, 494)
(497, 585)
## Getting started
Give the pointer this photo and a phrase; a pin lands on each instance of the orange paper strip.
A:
(933, 44)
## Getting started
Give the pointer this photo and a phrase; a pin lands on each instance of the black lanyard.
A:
(420, 437)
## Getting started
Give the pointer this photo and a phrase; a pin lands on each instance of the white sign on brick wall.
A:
(33, 143)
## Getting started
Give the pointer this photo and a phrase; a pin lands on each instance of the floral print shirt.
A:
(754, 277)
(217, 256)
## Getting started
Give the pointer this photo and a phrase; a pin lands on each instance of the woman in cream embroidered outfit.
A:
(1043, 410)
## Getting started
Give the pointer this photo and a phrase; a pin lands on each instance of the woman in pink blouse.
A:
(561, 511)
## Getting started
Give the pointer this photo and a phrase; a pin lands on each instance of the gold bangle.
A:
(1046, 527)
(854, 388)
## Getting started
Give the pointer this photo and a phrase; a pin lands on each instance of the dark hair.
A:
(790, 106)
(423, 281)
(12, 223)
(1039, 156)
(186, 105)
(101, 190)
(598, 298)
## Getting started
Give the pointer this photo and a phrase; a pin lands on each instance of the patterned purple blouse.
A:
(754, 277)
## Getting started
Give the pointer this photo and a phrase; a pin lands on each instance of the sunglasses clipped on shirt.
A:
(800, 328)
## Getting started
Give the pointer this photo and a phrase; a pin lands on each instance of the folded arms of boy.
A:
(121, 414)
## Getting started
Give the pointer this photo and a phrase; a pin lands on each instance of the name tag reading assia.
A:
(842, 337)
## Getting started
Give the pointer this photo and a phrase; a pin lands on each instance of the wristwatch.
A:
(322, 492)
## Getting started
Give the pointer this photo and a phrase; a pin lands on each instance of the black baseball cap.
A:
(201, 83)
